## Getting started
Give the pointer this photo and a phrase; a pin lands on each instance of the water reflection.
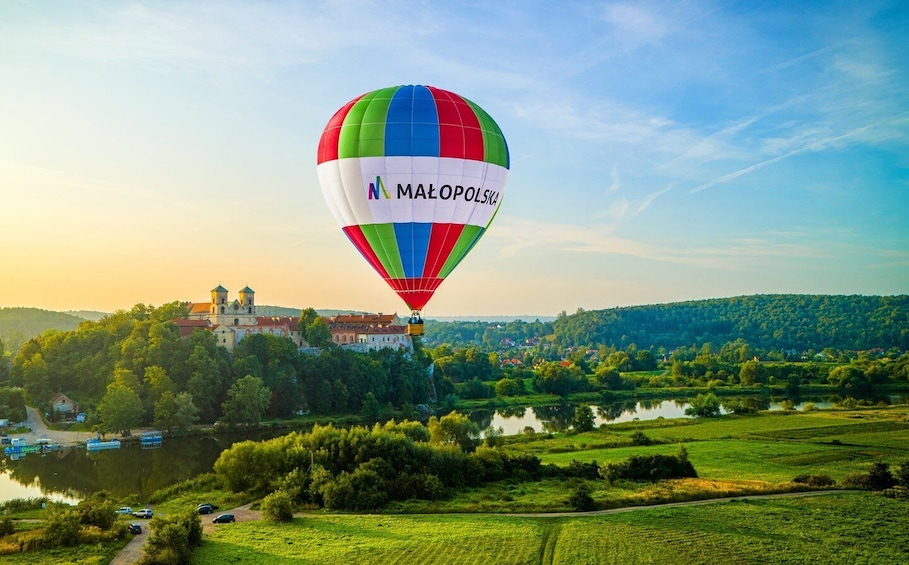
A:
(74, 473)
(557, 418)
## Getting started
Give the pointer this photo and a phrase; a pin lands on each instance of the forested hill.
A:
(20, 324)
(770, 321)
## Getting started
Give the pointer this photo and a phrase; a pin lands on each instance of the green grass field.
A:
(362, 539)
(843, 529)
(771, 447)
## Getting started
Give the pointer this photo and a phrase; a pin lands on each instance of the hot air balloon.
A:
(414, 175)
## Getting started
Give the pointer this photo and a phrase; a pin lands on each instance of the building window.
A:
(222, 309)
(236, 322)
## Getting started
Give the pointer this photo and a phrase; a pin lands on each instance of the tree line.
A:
(771, 322)
(133, 368)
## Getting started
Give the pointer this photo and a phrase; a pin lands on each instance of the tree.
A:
(317, 333)
(158, 382)
(175, 411)
(454, 429)
(704, 406)
(248, 399)
(751, 372)
(370, 409)
(510, 387)
(120, 409)
(583, 420)
(554, 378)
(278, 507)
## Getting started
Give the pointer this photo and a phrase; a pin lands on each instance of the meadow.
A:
(733, 455)
(842, 528)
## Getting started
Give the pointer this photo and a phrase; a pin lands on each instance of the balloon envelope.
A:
(414, 175)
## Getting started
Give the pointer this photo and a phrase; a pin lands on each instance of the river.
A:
(73, 473)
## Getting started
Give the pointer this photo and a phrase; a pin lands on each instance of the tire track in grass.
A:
(551, 533)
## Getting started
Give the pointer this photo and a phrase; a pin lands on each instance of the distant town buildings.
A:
(363, 332)
(232, 320)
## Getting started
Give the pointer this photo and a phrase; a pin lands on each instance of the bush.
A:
(580, 498)
(360, 490)
(880, 477)
(816, 481)
(61, 528)
(640, 438)
(856, 481)
(583, 420)
(278, 507)
(902, 474)
(475, 388)
(651, 468)
(704, 406)
(6, 526)
(581, 470)
(172, 538)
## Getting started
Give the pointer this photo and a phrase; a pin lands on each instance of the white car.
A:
(124, 510)
(144, 513)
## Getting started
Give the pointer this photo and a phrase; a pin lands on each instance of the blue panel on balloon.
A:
(413, 244)
(412, 124)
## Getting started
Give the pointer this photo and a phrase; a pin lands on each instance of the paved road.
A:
(133, 551)
(39, 430)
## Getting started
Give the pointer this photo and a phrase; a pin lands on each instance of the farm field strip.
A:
(844, 528)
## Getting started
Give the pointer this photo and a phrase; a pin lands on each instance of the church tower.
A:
(248, 300)
(218, 300)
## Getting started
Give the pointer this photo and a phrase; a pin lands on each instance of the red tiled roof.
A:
(198, 307)
(277, 321)
(188, 326)
(366, 329)
(363, 319)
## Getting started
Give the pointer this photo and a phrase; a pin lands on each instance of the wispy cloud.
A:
(815, 145)
(522, 235)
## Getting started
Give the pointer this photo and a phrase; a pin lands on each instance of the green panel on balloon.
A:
(384, 243)
(493, 140)
(469, 236)
(349, 140)
(372, 129)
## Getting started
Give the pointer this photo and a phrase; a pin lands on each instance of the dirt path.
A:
(676, 504)
(133, 550)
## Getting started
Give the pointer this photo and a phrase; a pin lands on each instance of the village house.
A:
(63, 406)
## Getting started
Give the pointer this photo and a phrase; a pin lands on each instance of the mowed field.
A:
(845, 528)
(772, 446)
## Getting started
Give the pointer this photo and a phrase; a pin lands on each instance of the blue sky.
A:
(150, 151)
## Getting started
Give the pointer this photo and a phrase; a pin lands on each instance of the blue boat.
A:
(97, 444)
(151, 439)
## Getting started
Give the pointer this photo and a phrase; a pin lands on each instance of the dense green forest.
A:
(777, 321)
(133, 368)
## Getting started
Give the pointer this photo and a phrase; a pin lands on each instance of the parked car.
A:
(205, 509)
(135, 528)
(144, 513)
(224, 519)
(124, 510)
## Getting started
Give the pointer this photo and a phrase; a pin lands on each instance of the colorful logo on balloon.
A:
(374, 188)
